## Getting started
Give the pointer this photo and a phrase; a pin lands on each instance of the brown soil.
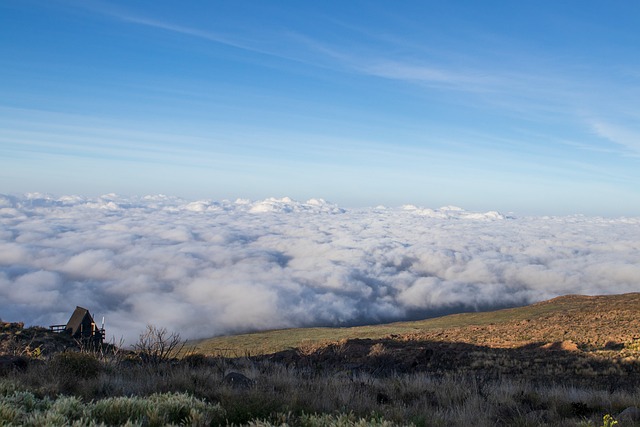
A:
(571, 339)
(591, 322)
(588, 340)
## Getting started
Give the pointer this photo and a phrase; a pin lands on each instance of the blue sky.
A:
(530, 107)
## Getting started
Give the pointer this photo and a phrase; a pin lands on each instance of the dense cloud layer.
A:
(207, 268)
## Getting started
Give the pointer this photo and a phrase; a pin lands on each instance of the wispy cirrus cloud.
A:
(360, 57)
(125, 14)
(623, 136)
(429, 75)
(189, 31)
(390, 58)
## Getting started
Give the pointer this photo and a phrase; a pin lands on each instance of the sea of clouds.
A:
(208, 267)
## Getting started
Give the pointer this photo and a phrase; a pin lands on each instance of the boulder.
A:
(632, 413)
(237, 380)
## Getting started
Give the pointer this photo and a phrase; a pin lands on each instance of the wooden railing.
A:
(57, 328)
(97, 334)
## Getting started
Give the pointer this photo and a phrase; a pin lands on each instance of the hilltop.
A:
(31, 342)
(570, 361)
(591, 322)
(586, 340)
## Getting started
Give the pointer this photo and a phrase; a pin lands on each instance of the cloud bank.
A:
(208, 267)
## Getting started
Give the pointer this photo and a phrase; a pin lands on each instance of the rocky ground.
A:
(571, 361)
(580, 340)
(20, 345)
(586, 340)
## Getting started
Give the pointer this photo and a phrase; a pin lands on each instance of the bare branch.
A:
(156, 345)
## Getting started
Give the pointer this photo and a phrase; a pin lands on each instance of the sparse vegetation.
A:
(591, 322)
(187, 395)
(26, 409)
(397, 379)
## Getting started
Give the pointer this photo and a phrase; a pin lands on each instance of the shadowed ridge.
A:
(590, 321)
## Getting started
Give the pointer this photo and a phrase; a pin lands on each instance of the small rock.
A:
(237, 380)
(632, 413)
(612, 345)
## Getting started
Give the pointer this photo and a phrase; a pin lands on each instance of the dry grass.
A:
(569, 361)
(284, 394)
(592, 322)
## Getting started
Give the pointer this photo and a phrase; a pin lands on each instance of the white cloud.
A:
(622, 136)
(430, 75)
(213, 267)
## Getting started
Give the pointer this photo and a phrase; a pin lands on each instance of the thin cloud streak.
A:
(246, 45)
(194, 32)
(427, 74)
(372, 63)
(123, 14)
(528, 90)
(621, 136)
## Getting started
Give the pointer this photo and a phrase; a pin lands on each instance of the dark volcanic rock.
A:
(237, 380)
(632, 413)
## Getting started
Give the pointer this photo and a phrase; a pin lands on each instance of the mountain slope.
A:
(591, 322)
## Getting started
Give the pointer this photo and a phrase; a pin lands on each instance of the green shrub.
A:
(174, 408)
(71, 407)
(27, 402)
(242, 410)
(196, 360)
(25, 409)
(9, 414)
(74, 365)
(155, 410)
(324, 420)
(45, 419)
(119, 410)
(7, 387)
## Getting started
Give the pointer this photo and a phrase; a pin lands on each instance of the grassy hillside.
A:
(571, 361)
(590, 321)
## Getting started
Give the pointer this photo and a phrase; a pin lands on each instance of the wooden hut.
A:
(81, 326)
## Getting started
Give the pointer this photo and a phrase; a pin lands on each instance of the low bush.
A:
(75, 365)
(193, 392)
(23, 408)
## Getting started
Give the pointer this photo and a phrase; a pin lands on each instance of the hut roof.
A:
(77, 319)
